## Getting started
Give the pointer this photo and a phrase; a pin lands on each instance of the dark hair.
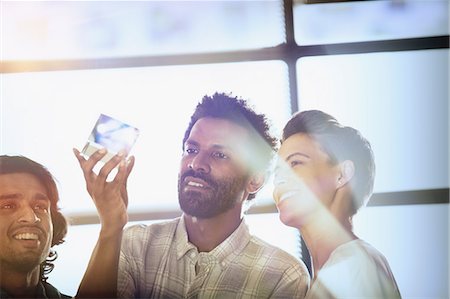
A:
(340, 143)
(21, 164)
(226, 106)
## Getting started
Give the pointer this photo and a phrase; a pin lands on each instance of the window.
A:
(359, 21)
(401, 99)
(157, 100)
(35, 30)
(380, 66)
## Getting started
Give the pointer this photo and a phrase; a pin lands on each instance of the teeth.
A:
(287, 195)
(279, 182)
(195, 184)
(26, 236)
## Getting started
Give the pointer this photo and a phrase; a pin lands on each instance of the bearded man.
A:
(208, 252)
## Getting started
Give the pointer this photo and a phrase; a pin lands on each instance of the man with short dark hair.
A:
(208, 252)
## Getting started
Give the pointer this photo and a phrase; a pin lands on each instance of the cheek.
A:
(46, 223)
(50, 233)
(184, 162)
(3, 228)
(323, 186)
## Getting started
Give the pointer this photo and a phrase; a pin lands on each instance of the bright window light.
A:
(45, 114)
(358, 21)
(100, 29)
(399, 102)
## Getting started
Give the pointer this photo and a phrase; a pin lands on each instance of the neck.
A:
(207, 234)
(323, 233)
(19, 284)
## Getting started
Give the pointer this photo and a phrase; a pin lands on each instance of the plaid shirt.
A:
(157, 261)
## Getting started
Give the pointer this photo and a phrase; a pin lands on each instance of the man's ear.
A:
(346, 173)
(256, 182)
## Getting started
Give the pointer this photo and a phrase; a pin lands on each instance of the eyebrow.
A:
(9, 196)
(42, 196)
(214, 146)
(37, 196)
(297, 154)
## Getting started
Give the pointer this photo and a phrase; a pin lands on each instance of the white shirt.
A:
(355, 270)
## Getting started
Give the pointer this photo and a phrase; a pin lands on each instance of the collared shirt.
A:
(44, 290)
(157, 261)
(355, 270)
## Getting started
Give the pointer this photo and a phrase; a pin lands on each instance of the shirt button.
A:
(223, 264)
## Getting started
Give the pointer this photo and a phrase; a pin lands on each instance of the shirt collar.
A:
(224, 252)
(181, 239)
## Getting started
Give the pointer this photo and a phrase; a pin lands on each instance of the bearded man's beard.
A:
(218, 197)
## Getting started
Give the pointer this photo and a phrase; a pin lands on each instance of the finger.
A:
(110, 165)
(125, 168)
(94, 159)
(82, 161)
(130, 165)
(121, 173)
(78, 156)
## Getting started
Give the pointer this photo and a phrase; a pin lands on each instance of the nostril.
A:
(29, 217)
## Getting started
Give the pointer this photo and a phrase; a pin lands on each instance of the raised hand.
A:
(110, 196)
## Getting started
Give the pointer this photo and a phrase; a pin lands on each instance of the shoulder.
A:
(52, 292)
(139, 235)
(269, 249)
(141, 230)
(362, 271)
(360, 251)
(4, 294)
(276, 257)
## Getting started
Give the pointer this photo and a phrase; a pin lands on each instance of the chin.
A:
(287, 219)
(287, 215)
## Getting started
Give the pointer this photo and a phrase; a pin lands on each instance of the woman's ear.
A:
(256, 182)
(346, 173)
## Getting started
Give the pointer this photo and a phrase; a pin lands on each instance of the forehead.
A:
(20, 181)
(304, 144)
(209, 131)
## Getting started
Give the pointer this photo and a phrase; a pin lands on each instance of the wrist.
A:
(111, 232)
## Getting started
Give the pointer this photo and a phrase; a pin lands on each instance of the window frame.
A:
(288, 52)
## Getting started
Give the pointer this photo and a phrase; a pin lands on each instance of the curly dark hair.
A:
(340, 143)
(237, 110)
(21, 164)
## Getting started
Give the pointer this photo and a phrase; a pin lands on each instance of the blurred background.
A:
(379, 66)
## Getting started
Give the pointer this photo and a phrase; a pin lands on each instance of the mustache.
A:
(28, 226)
(200, 175)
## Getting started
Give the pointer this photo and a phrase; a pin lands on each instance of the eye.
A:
(190, 150)
(294, 163)
(7, 206)
(220, 155)
(41, 208)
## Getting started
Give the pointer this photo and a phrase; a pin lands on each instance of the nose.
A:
(28, 215)
(281, 174)
(200, 163)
